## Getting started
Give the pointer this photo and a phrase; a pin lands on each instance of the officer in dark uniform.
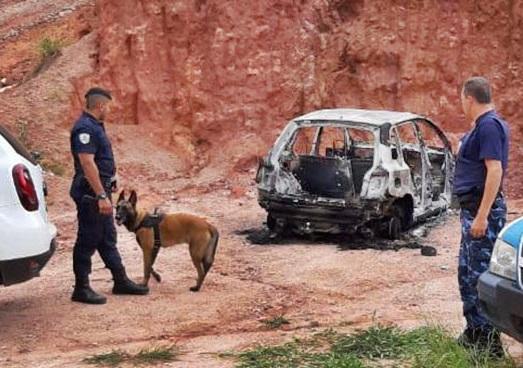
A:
(480, 168)
(93, 183)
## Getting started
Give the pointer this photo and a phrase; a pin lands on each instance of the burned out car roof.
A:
(369, 117)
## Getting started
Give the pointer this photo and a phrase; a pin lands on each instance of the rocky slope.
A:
(217, 80)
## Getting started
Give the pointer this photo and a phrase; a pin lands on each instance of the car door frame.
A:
(422, 200)
(449, 161)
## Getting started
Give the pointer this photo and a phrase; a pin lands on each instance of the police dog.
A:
(179, 228)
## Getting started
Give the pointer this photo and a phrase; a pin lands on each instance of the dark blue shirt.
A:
(489, 139)
(88, 136)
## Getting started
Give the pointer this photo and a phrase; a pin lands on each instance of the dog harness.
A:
(153, 221)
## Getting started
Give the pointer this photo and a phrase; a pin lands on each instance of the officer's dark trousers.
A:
(95, 232)
(474, 259)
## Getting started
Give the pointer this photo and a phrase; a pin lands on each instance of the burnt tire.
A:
(271, 222)
(428, 251)
(394, 227)
(401, 211)
(407, 220)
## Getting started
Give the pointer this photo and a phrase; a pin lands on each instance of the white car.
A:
(27, 237)
(349, 170)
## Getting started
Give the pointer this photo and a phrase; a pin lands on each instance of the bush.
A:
(49, 47)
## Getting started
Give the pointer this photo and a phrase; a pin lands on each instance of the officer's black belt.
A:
(471, 200)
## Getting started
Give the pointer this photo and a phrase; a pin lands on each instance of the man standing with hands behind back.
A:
(478, 181)
(94, 175)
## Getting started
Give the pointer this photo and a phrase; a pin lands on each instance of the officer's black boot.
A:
(468, 337)
(490, 342)
(122, 284)
(84, 294)
(485, 340)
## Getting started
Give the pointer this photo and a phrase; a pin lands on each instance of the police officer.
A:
(91, 191)
(480, 168)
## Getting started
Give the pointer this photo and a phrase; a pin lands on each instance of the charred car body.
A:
(349, 170)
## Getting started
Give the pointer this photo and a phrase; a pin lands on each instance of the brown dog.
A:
(201, 236)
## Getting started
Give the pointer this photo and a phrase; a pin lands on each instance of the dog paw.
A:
(194, 289)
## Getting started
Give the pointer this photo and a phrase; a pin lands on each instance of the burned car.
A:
(349, 170)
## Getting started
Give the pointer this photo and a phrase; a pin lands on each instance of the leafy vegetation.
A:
(377, 346)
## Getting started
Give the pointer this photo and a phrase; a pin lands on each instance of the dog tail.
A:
(211, 249)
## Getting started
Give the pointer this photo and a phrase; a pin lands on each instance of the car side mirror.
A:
(394, 153)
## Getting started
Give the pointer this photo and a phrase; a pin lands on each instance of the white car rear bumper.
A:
(23, 234)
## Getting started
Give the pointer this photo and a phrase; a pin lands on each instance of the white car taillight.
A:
(25, 188)
(503, 260)
(259, 170)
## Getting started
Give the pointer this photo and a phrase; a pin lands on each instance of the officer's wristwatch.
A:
(102, 196)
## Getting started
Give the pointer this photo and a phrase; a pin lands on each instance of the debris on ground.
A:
(413, 239)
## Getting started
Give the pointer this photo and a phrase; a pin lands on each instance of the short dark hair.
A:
(94, 95)
(479, 88)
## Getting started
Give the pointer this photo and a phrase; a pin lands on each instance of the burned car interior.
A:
(346, 170)
(329, 160)
(418, 139)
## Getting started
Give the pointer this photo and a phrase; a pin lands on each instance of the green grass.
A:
(276, 322)
(145, 357)
(295, 354)
(439, 350)
(377, 342)
(156, 355)
(111, 359)
(377, 346)
(49, 47)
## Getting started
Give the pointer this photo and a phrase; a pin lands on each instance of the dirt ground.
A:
(315, 285)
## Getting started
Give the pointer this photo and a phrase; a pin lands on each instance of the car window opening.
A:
(330, 161)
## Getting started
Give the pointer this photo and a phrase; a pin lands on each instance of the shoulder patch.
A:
(85, 138)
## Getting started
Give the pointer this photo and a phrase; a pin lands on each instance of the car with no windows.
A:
(350, 170)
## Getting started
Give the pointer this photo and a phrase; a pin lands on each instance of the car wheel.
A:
(407, 220)
(271, 222)
(400, 211)
(394, 228)
(429, 251)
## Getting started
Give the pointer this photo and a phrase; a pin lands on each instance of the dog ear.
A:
(122, 196)
(133, 198)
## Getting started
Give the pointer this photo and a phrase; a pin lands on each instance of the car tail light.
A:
(264, 165)
(258, 171)
(25, 187)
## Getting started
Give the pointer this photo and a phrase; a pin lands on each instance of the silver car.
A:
(348, 170)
